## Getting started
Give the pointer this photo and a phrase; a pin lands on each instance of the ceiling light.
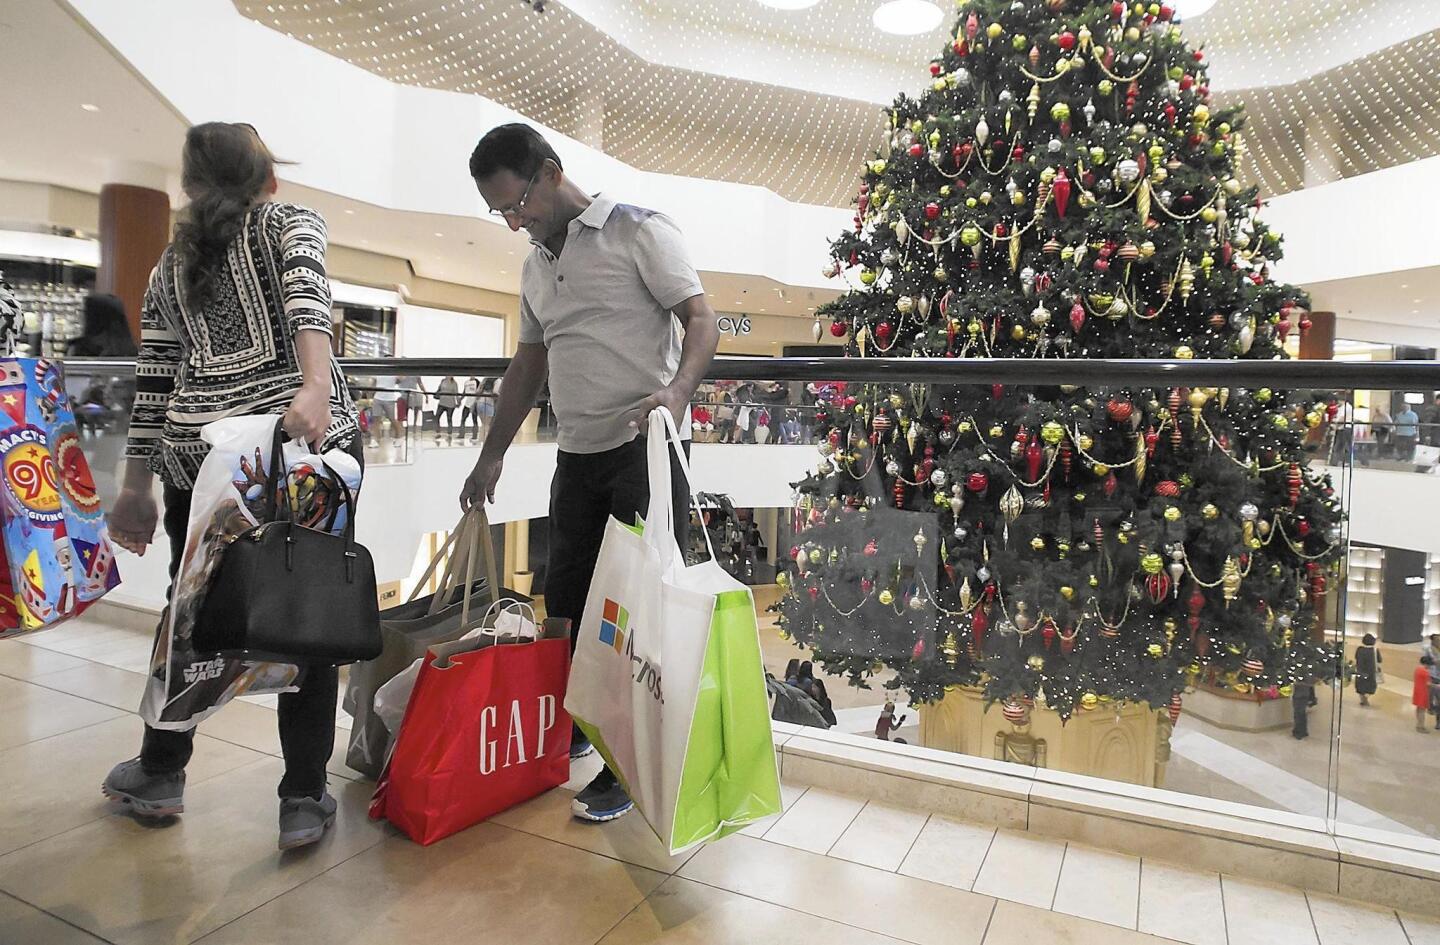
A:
(789, 4)
(90, 108)
(439, 234)
(907, 17)
(349, 211)
(1188, 8)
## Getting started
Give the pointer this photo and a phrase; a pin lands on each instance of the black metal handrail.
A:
(1334, 375)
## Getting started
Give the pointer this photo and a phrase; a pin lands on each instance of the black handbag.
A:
(291, 594)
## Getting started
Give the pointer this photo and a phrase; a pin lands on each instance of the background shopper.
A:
(241, 267)
(604, 293)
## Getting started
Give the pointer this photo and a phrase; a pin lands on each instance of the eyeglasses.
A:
(520, 205)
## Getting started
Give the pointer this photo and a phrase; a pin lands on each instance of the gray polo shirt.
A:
(603, 311)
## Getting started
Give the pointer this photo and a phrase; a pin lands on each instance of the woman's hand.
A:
(309, 415)
(132, 520)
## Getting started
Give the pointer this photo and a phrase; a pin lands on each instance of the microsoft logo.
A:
(614, 621)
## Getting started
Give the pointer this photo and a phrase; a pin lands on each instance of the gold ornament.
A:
(996, 431)
(1067, 592)
(1012, 504)
(1184, 352)
(1187, 279)
(1231, 580)
(1172, 513)
(1209, 511)
(1089, 701)
(887, 597)
(1154, 651)
(1037, 543)
(1102, 470)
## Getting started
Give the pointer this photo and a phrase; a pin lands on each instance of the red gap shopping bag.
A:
(485, 729)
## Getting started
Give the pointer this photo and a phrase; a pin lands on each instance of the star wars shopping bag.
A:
(55, 557)
(186, 686)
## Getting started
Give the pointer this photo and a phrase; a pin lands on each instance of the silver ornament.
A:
(888, 257)
(961, 75)
(1128, 171)
(938, 478)
(1238, 320)
(1249, 512)
(1006, 97)
(892, 468)
(1041, 315)
(1055, 145)
(1089, 111)
(960, 533)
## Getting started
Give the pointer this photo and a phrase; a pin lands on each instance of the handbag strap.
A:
(480, 536)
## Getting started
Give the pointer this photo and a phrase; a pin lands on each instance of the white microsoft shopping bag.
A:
(640, 665)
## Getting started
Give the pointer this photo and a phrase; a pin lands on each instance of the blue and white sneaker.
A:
(602, 800)
(580, 746)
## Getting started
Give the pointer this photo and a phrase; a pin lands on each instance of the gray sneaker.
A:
(304, 820)
(147, 795)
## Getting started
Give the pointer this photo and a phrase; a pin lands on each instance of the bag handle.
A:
(663, 437)
(480, 533)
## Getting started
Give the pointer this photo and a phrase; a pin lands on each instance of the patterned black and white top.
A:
(236, 356)
(12, 319)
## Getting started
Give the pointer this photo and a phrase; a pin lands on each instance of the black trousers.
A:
(307, 717)
(587, 489)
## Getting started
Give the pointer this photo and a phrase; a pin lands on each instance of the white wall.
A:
(423, 332)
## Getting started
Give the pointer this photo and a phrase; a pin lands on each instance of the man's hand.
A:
(132, 520)
(479, 486)
(667, 397)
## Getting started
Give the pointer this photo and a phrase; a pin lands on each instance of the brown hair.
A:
(225, 167)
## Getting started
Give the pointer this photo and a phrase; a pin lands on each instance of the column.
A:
(134, 230)
(1318, 344)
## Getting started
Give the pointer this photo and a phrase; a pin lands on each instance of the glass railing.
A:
(1152, 572)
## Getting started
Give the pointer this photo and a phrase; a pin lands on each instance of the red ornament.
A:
(979, 623)
(1282, 328)
(1077, 317)
(1152, 439)
(1198, 55)
(935, 68)
(1167, 488)
(1196, 603)
(917, 150)
(1110, 485)
(1170, 113)
(1168, 13)
(1067, 639)
(1158, 587)
(1302, 527)
(1175, 705)
(1015, 712)
(1117, 10)
(1061, 189)
(1047, 633)
(1119, 410)
(872, 548)
(997, 391)
(814, 593)
(1034, 456)
(837, 329)
(932, 210)
(1305, 323)
(1292, 482)
(1186, 81)
(1067, 41)
(883, 331)
(918, 653)
(899, 493)
(1067, 457)
(1252, 667)
(977, 482)
(961, 48)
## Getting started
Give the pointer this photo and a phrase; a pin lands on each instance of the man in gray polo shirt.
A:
(603, 296)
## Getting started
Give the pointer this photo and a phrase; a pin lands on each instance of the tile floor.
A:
(832, 869)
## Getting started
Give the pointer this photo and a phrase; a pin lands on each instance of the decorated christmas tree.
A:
(1064, 189)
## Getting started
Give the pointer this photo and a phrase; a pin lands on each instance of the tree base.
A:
(1239, 712)
(1131, 743)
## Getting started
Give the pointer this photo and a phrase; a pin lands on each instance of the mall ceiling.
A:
(793, 101)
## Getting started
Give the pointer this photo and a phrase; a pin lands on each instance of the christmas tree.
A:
(1064, 189)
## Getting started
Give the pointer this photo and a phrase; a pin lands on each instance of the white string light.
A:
(807, 146)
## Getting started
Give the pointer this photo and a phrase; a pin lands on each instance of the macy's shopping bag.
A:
(55, 554)
(485, 729)
(668, 681)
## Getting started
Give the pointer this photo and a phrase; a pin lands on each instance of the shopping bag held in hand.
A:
(467, 586)
(55, 553)
(485, 730)
(292, 593)
(668, 681)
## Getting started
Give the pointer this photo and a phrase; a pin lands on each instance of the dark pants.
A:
(307, 717)
(1299, 706)
(447, 414)
(587, 490)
